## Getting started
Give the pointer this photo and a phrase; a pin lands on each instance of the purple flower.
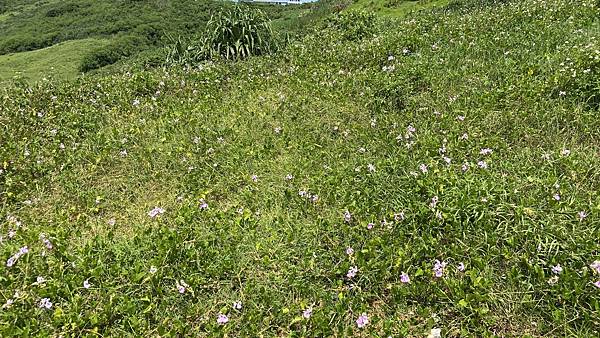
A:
(203, 204)
(111, 222)
(370, 226)
(597, 284)
(349, 251)
(438, 268)
(254, 178)
(482, 164)
(47, 243)
(362, 321)
(460, 118)
(461, 267)
(582, 215)
(352, 272)
(557, 269)
(237, 305)
(347, 216)
(155, 212)
(595, 266)
(556, 197)
(404, 277)
(181, 286)
(307, 313)
(423, 168)
(222, 319)
(45, 303)
(434, 201)
(13, 259)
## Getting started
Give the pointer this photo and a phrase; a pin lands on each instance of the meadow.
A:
(435, 174)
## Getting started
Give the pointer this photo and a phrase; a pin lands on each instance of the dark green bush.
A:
(120, 48)
(354, 24)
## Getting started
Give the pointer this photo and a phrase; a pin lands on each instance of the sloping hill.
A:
(379, 177)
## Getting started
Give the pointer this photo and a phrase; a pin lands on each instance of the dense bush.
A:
(353, 24)
(118, 49)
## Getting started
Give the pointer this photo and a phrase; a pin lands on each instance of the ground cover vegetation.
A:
(436, 174)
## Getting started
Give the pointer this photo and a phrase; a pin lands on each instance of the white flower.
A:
(86, 284)
(371, 167)
(486, 151)
(435, 333)
(237, 305)
(153, 269)
(565, 152)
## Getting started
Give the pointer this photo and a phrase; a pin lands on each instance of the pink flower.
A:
(362, 321)
(352, 272)
(155, 212)
(597, 284)
(222, 319)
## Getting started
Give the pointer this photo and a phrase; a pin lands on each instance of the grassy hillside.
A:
(396, 8)
(61, 60)
(380, 177)
(130, 28)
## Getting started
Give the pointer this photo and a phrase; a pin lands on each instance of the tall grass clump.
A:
(233, 34)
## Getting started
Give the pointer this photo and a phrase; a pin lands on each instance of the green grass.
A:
(60, 61)
(463, 134)
(396, 8)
